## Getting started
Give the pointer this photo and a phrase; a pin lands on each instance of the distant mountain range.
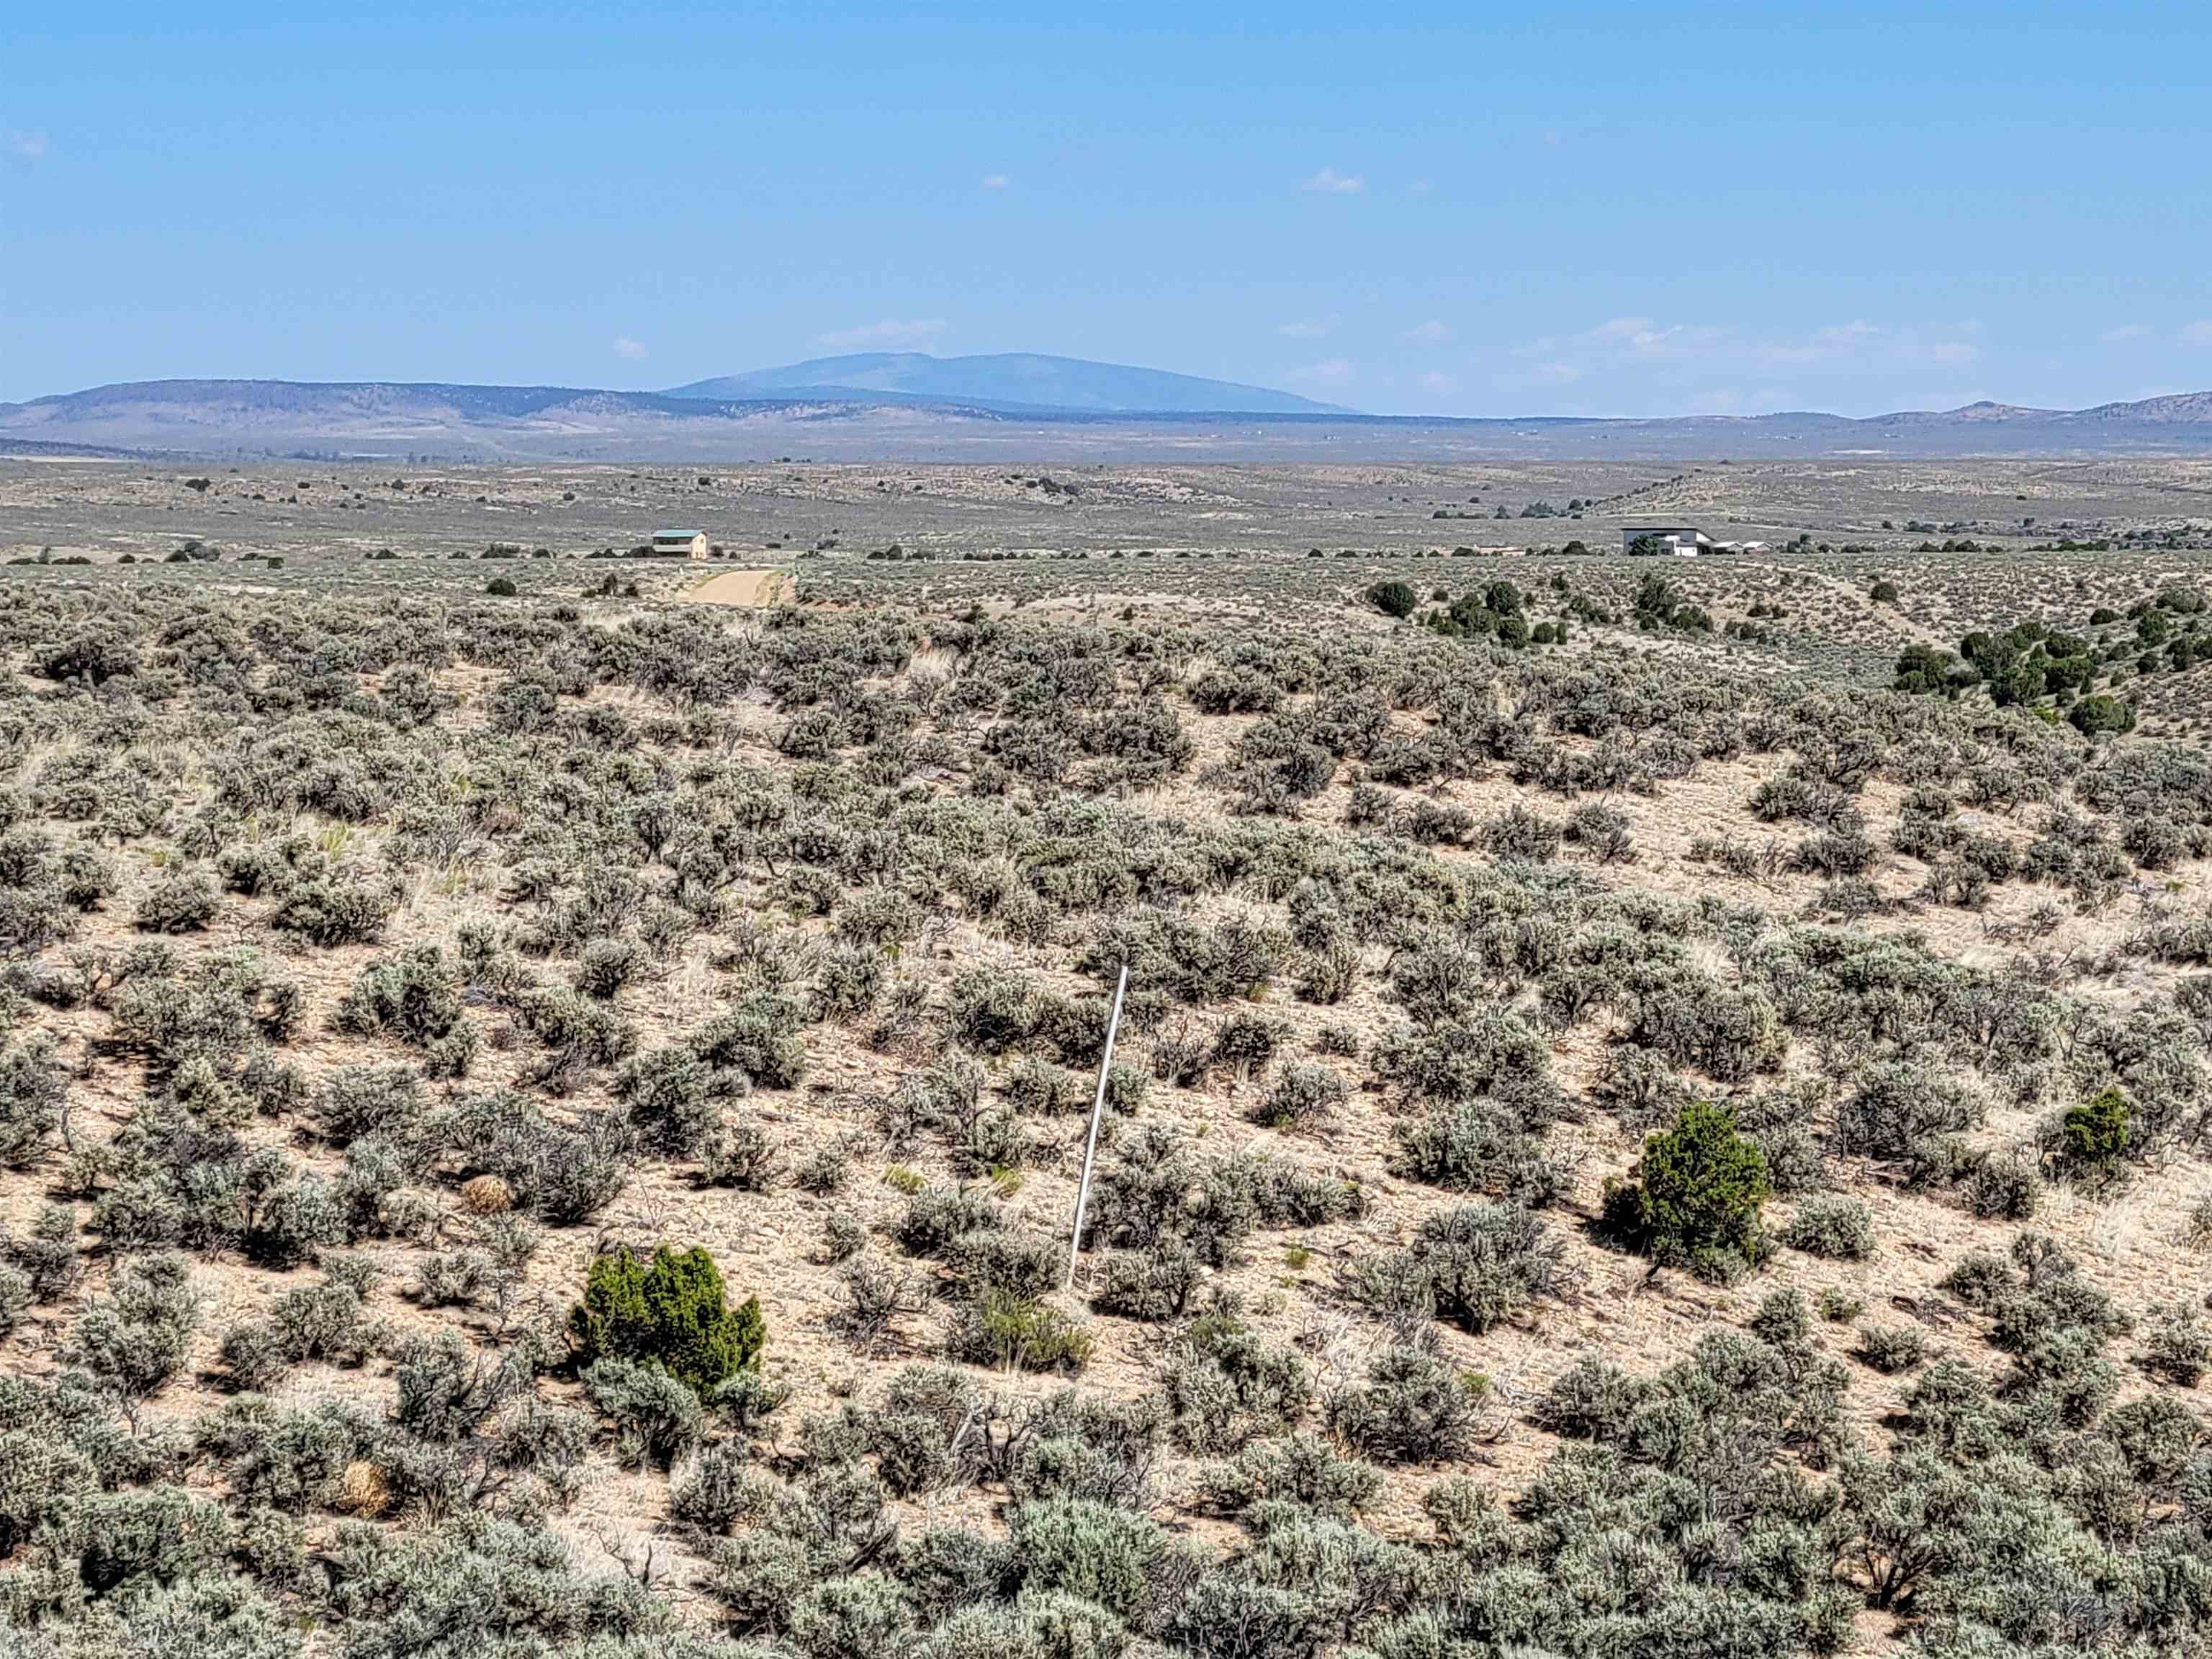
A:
(884, 406)
(1014, 382)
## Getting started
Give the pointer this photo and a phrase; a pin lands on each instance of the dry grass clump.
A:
(363, 1491)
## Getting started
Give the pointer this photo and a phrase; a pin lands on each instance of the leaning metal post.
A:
(1098, 1111)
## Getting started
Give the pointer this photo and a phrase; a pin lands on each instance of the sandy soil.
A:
(747, 587)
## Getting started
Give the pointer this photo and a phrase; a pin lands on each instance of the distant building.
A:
(1657, 540)
(679, 543)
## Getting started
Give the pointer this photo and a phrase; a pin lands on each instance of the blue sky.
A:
(1605, 210)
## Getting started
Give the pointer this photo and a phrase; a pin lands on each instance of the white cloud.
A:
(1330, 182)
(626, 347)
(996, 181)
(1845, 337)
(1635, 364)
(1623, 340)
(1433, 332)
(890, 332)
(1307, 328)
(1832, 342)
(2125, 331)
(2198, 333)
(1437, 381)
(31, 146)
(1616, 340)
(1418, 187)
(1331, 371)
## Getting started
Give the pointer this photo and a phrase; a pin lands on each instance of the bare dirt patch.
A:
(744, 587)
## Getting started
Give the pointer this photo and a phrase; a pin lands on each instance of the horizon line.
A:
(1321, 414)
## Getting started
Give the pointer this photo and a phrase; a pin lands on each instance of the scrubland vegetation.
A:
(543, 1123)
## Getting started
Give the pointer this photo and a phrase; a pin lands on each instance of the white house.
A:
(1682, 541)
(679, 543)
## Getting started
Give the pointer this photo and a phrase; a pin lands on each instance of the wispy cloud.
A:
(1330, 371)
(1433, 332)
(1823, 345)
(1330, 182)
(1307, 328)
(626, 347)
(2124, 332)
(892, 331)
(1621, 340)
(1558, 359)
(2198, 333)
(1630, 361)
(31, 146)
(996, 181)
(1438, 382)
